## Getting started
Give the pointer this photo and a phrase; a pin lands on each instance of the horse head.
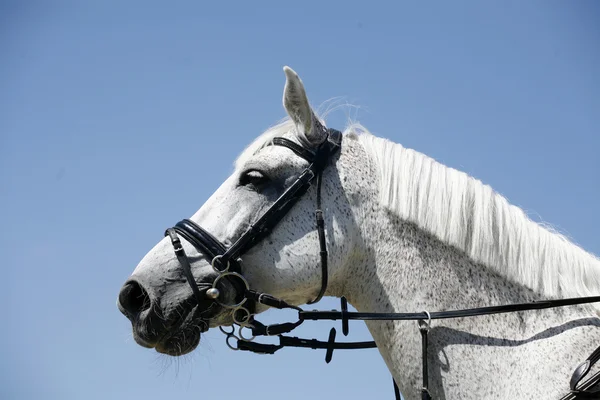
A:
(171, 298)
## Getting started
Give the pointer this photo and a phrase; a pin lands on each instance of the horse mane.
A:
(467, 214)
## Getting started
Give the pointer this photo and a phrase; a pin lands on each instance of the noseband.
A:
(227, 264)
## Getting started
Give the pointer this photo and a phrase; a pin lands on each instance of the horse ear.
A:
(296, 104)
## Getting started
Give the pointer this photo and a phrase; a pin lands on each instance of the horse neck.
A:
(397, 266)
(424, 218)
(407, 269)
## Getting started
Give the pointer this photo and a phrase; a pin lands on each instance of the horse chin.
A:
(181, 342)
(184, 336)
(175, 331)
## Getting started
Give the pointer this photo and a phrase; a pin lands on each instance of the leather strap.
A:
(424, 329)
(580, 372)
(296, 148)
(584, 389)
(322, 244)
(185, 265)
(208, 245)
(396, 390)
(287, 341)
(266, 222)
(470, 312)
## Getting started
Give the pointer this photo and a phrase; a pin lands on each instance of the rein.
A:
(424, 322)
(226, 263)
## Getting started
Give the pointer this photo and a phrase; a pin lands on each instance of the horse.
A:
(403, 232)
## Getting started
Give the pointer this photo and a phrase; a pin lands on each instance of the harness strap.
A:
(187, 269)
(469, 312)
(208, 245)
(585, 391)
(199, 238)
(396, 390)
(267, 221)
(260, 329)
(322, 243)
(288, 341)
(424, 329)
(296, 148)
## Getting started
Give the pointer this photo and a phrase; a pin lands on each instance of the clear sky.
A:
(118, 118)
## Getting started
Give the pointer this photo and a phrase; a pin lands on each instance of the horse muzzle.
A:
(173, 321)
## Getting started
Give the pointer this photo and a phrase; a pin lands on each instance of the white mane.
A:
(469, 215)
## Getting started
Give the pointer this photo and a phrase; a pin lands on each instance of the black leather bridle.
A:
(226, 262)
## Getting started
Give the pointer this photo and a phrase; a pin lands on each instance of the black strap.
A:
(296, 148)
(204, 242)
(208, 245)
(424, 329)
(322, 244)
(287, 341)
(185, 265)
(470, 312)
(199, 238)
(396, 390)
(266, 222)
(585, 391)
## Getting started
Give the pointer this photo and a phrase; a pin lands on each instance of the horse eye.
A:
(254, 178)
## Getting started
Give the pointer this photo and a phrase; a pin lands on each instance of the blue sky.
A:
(117, 119)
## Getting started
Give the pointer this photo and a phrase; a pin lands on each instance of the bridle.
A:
(226, 261)
(227, 264)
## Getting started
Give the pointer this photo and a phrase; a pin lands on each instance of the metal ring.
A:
(229, 344)
(240, 332)
(222, 329)
(235, 274)
(424, 324)
(428, 317)
(247, 316)
(219, 271)
(260, 296)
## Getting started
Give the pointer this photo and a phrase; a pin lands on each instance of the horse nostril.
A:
(133, 299)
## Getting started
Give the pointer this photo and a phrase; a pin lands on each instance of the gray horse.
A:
(404, 233)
